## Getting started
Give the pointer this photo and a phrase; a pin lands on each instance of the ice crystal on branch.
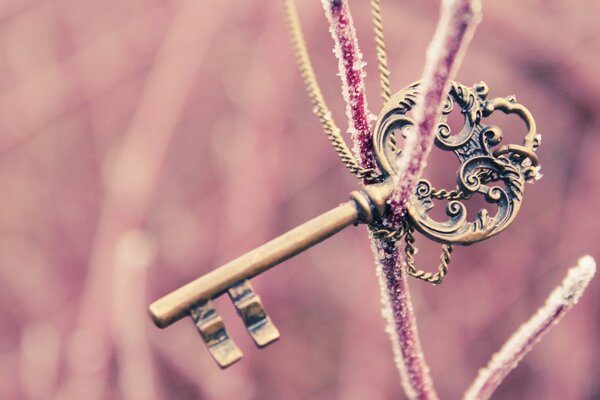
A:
(397, 309)
(560, 301)
(453, 34)
(352, 73)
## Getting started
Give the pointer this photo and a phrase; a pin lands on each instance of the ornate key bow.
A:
(481, 162)
(484, 165)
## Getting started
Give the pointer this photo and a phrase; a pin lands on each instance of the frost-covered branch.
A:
(352, 73)
(453, 33)
(560, 301)
(459, 17)
(452, 36)
(397, 309)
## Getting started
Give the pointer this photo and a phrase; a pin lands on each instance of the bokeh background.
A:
(144, 142)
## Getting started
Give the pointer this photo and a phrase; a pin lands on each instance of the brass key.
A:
(365, 206)
(483, 166)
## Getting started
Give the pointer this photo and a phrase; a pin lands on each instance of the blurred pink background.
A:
(145, 142)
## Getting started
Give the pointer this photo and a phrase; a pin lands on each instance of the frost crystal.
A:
(352, 74)
(444, 55)
(561, 300)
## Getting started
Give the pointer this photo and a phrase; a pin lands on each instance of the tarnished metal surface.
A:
(176, 304)
(481, 165)
(498, 173)
(210, 326)
(251, 310)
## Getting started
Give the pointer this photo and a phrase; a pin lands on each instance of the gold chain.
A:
(384, 72)
(333, 133)
(443, 194)
(410, 250)
(316, 98)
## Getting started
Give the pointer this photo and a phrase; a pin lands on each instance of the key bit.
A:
(252, 312)
(365, 206)
(484, 168)
(211, 328)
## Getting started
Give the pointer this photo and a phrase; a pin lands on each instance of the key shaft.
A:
(365, 206)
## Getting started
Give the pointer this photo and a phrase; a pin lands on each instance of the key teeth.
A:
(264, 333)
(250, 309)
(212, 330)
(225, 353)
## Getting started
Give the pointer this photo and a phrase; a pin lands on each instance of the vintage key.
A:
(482, 166)
(194, 299)
(364, 206)
(211, 328)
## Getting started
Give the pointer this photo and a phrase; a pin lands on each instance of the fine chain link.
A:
(443, 194)
(457, 194)
(316, 97)
(384, 72)
(410, 250)
(340, 146)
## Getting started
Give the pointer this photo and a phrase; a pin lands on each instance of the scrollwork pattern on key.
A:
(487, 167)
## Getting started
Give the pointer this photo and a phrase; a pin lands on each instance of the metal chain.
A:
(316, 98)
(386, 235)
(340, 146)
(384, 72)
(410, 250)
(443, 194)
(406, 231)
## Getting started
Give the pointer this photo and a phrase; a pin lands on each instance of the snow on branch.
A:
(560, 301)
(352, 73)
(455, 28)
(452, 36)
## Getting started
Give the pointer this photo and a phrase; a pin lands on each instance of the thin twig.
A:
(397, 307)
(560, 301)
(445, 52)
(352, 73)
(398, 311)
(454, 31)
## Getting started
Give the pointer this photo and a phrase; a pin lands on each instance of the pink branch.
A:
(352, 73)
(454, 32)
(401, 322)
(452, 36)
(560, 301)
(397, 307)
